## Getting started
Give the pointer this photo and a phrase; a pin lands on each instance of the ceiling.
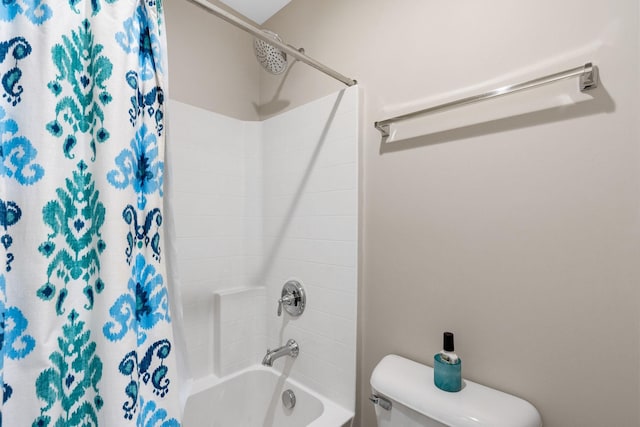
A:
(257, 10)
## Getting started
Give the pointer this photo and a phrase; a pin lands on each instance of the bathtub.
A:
(252, 398)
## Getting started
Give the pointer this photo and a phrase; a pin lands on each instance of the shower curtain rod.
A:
(257, 32)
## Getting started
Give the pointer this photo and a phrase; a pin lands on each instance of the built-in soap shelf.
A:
(240, 332)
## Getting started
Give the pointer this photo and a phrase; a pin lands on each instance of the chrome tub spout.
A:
(291, 348)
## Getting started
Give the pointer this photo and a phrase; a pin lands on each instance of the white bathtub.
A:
(253, 398)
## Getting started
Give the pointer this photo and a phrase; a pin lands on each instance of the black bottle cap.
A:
(448, 341)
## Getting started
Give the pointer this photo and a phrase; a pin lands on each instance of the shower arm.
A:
(258, 33)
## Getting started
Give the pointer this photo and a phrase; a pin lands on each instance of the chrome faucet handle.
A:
(285, 300)
(293, 298)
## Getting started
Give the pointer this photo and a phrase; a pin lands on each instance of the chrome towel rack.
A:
(588, 74)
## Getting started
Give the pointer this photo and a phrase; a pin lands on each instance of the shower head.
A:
(270, 57)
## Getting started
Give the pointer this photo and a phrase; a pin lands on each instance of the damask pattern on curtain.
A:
(85, 325)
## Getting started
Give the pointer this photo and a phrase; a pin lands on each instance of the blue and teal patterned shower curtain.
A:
(86, 338)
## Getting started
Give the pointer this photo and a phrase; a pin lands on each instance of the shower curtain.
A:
(85, 327)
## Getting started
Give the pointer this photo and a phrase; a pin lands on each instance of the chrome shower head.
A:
(270, 57)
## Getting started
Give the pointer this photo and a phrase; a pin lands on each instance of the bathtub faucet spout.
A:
(291, 348)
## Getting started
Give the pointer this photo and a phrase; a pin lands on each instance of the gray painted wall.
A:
(211, 63)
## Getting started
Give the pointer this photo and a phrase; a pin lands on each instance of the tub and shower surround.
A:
(310, 235)
(216, 177)
(257, 204)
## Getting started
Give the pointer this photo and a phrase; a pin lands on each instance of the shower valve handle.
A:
(288, 299)
(293, 299)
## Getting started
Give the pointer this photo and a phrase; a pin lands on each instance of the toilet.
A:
(404, 395)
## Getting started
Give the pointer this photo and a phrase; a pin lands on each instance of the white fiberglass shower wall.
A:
(257, 204)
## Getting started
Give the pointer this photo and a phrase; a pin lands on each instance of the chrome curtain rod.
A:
(588, 80)
(257, 32)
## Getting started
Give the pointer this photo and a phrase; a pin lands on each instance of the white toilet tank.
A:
(416, 402)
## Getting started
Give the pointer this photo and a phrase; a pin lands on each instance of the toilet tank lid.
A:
(411, 384)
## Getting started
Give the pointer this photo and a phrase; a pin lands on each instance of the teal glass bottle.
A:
(447, 366)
